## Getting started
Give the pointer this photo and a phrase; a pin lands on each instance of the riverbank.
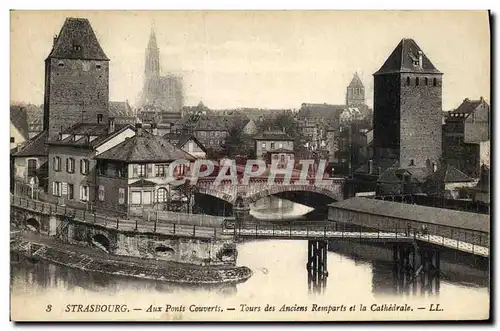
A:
(46, 248)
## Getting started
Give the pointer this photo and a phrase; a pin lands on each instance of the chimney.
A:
(111, 125)
(154, 129)
(138, 128)
(54, 40)
(284, 129)
(481, 99)
(420, 58)
(370, 167)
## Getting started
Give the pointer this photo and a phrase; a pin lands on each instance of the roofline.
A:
(405, 218)
(387, 72)
(142, 161)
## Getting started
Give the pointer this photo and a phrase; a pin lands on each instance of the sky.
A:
(265, 59)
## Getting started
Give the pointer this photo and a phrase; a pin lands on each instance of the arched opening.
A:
(434, 82)
(417, 81)
(163, 250)
(33, 225)
(426, 81)
(408, 81)
(101, 241)
(227, 254)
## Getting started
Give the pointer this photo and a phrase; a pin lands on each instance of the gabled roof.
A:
(273, 135)
(77, 32)
(19, 119)
(88, 135)
(36, 146)
(179, 140)
(145, 147)
(119, 109)
(468, 106)
(216, 122)
(322, 110)
(356, 81)
(449, 174)
(403, 57)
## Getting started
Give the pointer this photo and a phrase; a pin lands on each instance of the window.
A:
(70, 165)
(417, 81)
(161, 170)
(136, 198)
(434, 82)
(161, 195)
(146, 198)
(408, 81)
(99, 116)
(77, 48)
(121, 195)
(272, 145)
(426, 81)
(412, 162)
(71, 191)
(98, 66)
(56, 189)
(141, 170)
(12, 140)
(282, 158)
(101, 193)
(263, 145)
(56, 160)
(281, 145)
(61, 64)
(84, 193)
(32, 164)
(84, 166)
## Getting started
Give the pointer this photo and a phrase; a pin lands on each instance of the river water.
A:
(358, 274)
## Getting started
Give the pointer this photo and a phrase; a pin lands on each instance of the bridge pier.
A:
(317, 271)
(416, 266)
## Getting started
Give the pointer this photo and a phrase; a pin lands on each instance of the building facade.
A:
(355, 94)
(270, 141)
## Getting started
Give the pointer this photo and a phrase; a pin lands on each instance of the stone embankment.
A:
(91, 260)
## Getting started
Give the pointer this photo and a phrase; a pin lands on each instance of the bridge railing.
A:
(352, 231)
(136, 224)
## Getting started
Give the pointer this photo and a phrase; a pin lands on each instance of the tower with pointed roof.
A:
(355, 95)
(76, 78)
(164, 92)
(407, 108)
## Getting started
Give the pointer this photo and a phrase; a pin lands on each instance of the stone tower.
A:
(407, 108)
(355, 95)
(76, 78)
(152, 64)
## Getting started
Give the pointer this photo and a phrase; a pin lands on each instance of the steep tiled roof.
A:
(19, 119)
(467, 106)
(119, 108)
(322, 110)
(77, 32)
(217, 122)
(441, 216)
(179, 140)
(273, 135)
(403, 57)
(88, 134)
(36, 146)
(145, 147)
(356, 81)
(450, 174)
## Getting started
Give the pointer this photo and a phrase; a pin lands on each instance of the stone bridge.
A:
(259, 187)
(127, 237)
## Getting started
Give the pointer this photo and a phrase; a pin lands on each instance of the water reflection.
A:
(354, 269)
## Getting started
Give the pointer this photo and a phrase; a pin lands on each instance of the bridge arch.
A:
(164, 250)
(33, 224)
(101, 241)
(335, 196)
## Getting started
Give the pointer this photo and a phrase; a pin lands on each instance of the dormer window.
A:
(412, 162)
(77, 48)
(98, 66)
(61, 64)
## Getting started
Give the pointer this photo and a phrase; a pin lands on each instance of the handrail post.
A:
(273, 230)
(215, 233)
(174, 228)
(194, 230)
(307, 232)
(324, 232)
(117, 222)
(154, 228)
(136, 224)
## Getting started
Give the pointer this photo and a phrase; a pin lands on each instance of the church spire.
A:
(152, 65)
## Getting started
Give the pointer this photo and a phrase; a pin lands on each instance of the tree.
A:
(238, 143)
(186, 192)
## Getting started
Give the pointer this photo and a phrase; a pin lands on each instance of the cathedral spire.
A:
(152, 67)
(152, 37)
